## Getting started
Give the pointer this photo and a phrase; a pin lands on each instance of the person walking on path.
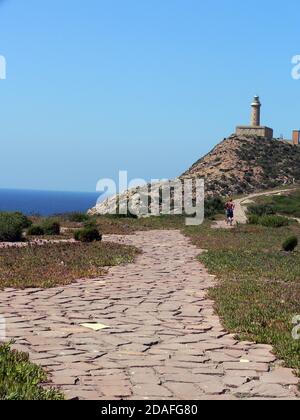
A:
(230, 206)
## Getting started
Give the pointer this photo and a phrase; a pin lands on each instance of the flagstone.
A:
(163, 341)
(212, 387)
(147, 390)
(280, 376)
(234, 381)
(258, 367)
(184, 391)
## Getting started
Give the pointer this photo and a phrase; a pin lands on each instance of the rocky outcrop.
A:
(143, 201)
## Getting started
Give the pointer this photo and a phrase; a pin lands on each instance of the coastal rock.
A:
(143, 201)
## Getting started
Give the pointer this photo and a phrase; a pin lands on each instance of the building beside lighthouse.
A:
(296, 137)
(255, 129)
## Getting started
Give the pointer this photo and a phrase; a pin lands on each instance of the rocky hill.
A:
(238, 165)
(246, 164)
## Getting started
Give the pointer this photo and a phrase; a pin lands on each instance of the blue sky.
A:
(144, 85)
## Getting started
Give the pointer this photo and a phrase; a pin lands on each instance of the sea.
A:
(46, 203)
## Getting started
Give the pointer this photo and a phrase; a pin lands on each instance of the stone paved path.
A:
(163, 340)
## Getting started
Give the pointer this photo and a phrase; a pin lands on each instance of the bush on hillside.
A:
(274, 221)
(261, 209)
(128, 215)
(91, 224)
(22, 219)
(290, 244)
(287, 204)
(50, 227)
(213, 206)
(12, 225)
(77, 217)
(253, 219)
(35, 230)
(268, 220)
(88, 234)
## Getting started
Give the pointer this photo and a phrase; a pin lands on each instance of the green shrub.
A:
(253, 219)
(87, 234)
(22, 219)
(261, 209)
(268, 220)
(50, 227)
(287, 204)
(18, 217)
(91, 223)
(35, 230)
(78, 217)
(122, 216)
(77, 234)
(274, 221)
(11, 226)
(213, 206)
(290, 244)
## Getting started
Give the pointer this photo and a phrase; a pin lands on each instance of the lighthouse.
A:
(255, 112)
(255, 129)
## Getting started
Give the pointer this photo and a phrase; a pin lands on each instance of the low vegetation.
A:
(77, 217)
(111, 224)
(268, 220)
(50, 227)
(12, 226)
(213, 207)
(88, 234)
(46, 227)
(260, 210)
(290, 244)
(58, 264)
(65, 226)
(35, 230)
(287, 204)
(127, 226)
(22, 380)
(259, 285)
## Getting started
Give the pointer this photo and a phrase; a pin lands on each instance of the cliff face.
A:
(246, 164)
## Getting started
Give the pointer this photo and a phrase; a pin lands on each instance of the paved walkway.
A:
(163, 340)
